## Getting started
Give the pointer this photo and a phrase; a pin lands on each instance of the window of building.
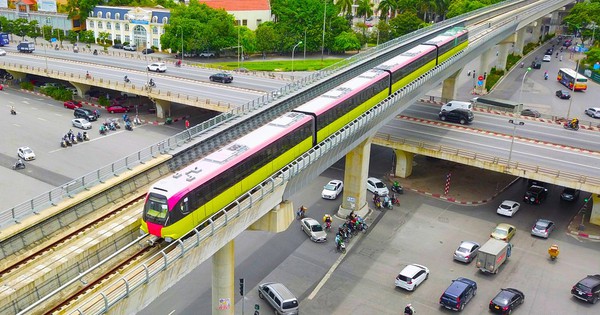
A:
(126, 17)
(118, 37)
(48, 20)
(118, 26)
(165, 20)
(126, 27)
(127, 38)
(154, 30)
(91, 14)
(245, 22)
(237, 22)
(108, 15)
(258, 21)
(99, 25)
(99, 15)
(155, 42)
(155, 19)
(90, 24)
(117, 16)
(108, 26)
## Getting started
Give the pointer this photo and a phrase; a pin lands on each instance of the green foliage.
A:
(103, 101)
(512, 60)
(266, 37)
(72, 37)
(26, 85)
(47, 32)
(493, 77)
(529, 47)
(405, 23)
(19, 27)
(60, 94)
(104, 39)
(346, 41)
(592, 56)
(87, 37)
(81, 8)
(279, 65)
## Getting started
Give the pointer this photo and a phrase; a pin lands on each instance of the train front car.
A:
(449, 43)
(177, 204)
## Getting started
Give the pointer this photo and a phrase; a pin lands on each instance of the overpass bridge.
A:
(264, 206)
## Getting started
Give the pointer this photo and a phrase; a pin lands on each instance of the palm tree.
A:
(388, 7)
(345, 6)
(365, 9)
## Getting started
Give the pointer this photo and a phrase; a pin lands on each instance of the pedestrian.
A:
(560, 58)
(469, 74)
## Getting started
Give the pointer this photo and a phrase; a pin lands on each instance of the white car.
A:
(2, 52)
(314, 230)
(376, 186)
(547, 58)
(412, 276)
(130, 47)
(81, 123)
(593, 112)
(26, 153)
(157, 67)
(508, 208)
(332, 189)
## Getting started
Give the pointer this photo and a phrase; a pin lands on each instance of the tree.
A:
(405, 23)
(388, 7)
(87, 37)
(104, 39)
(266, 38)
(34, 30)
(365, 9)
(458, 7)
(346, 41)
(72, 37)
(47, 32)
(345, 6)
(19, 27)
(81, 8)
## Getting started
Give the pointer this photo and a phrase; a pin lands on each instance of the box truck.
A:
(492, 255)
(26, 47)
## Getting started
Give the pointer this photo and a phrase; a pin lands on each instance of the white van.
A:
(456, 104)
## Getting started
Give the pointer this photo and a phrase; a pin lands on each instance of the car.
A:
(2, 52)
(542, 228)
(130, 47)
(506, 301)
(72, 104)
(587, 289)
(81, 123)
(460, 292)
(117, 46)
(459, 115)
(531, 113)
(314, 230)
(157, 67)
(593, 112)
(206, 54)
(549, 51)
(1, 87)
(569, 194)
(117, 109)
(536, 64)
(279, 297)
(221, 77)
(412, 276)
(26, 153)
(563, 94)
(51, 85)
(376, 186)
(547, 58)
(567, 43)
(535, 194)
(147, 51)
(508, 208)
(332, 189)
(504, 232)
(466, 251)
(86, 114)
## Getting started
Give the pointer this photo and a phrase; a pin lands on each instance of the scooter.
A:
(13, 112)
(553, 251)
(546, 76)
(126, 79)
(397, 188)
(387, 203)
(18, 166)
(327, 226)
(128, 126)
(63, 143)
(79, 137)
(151, 83)
(568, 125)
(341, 247)
(86, 137)
(95, 52)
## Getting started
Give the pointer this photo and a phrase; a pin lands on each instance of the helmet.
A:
(408, 305)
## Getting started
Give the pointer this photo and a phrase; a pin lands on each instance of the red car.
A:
(117, 109)
(1, 87)
(72, 104)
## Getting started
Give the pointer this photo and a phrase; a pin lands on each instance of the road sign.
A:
(480, 82)
(480, 78)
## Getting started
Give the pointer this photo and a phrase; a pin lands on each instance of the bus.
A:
(567, 77)
(3, 39)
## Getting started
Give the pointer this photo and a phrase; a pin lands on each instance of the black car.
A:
(117, 46)
(563, 94)
(536, 64)
(531, 113)
(147, 51)
(221, 77)
(569, 194)
(459, 115)
(549, 51)
(588, 289)
(506, 301)
(535, 195)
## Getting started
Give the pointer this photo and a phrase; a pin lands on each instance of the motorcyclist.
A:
(409, 310)
(126, 79)
(301, 211)
(178, 63)
(151, 82)
(12, 110)
(522, 64)
(87, 75)
(95, 51)
(546, 75)
(574, 123)
(19, 163)
(327, 220)
(338, 241)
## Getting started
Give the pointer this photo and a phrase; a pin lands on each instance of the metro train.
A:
(176, 204)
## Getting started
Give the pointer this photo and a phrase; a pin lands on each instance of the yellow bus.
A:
(567, 78)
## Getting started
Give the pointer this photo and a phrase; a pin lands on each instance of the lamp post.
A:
(512, 140)
(323, 39)
(179, 27)
(45, 53)
(573, 89)
(522, 83)
(293, 49)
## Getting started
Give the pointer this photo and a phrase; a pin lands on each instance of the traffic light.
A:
(242, 286)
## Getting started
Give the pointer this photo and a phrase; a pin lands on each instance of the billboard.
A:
(46, 5)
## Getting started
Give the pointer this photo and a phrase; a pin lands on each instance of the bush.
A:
(492, 78)
(125, 43)
(512, 60)
(26, 85)
(529, 47)
(154, 48)
(103, 101)
(60, 94)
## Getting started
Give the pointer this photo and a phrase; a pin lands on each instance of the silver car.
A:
(593, 112)
(466, 251)
(542, 228)
(314, 230)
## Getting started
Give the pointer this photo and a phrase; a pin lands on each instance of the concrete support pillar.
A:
(163, 108)
(503, 55)
(81, 88)
(355, 180)
(484, 67)
(404, 163)
(595, 211)
(223, 267)
(554, 22)
(536, 31)
(449, 87)
(519, 42)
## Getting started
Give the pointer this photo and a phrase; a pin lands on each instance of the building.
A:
(45, 15)
(248, 13)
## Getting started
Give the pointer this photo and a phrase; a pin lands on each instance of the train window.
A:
(184, 207)
(156, 209)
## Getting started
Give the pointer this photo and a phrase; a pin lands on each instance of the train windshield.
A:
(156, 209)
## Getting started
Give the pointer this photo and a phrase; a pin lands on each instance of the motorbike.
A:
(18, 166)
(96, 52)
(387, 202)
(395, 200)
(69, 143)
(111, 126)
(522, 64)
(56, 47)
(178, 64)
(341, 247)
(86, 137)
(151, 83)
(63, 143)
(13, 112)
(126, 79)
(73, 140)
(128, 127)
(397, 188)
(79, 137)
(327, 226)
(546, 76)
(553, 251)
(569, 126)
(102, 130)
(301, 213)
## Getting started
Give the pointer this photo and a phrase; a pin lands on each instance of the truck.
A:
(492, 255)
(27, 47)
(3, 39)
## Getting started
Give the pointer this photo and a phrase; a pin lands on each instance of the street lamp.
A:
(293, 49)
(512, 141)
(181, 43)
(522, 83)
(573, 89)
(45, 53)
(323, 40)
